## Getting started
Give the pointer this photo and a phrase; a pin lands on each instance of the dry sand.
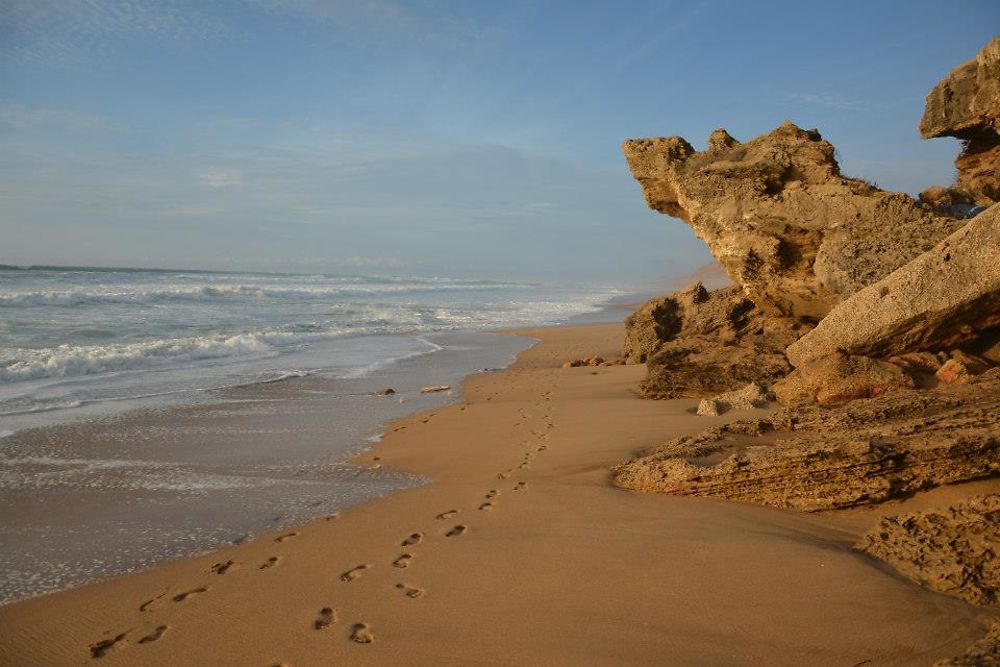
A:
(519, 552)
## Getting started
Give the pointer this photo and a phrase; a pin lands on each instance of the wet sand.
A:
(103, 496)
(519, 552)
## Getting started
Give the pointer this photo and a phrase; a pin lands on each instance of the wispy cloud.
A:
(825, 99)
(69, 33)
(22, 116)
(221, 179)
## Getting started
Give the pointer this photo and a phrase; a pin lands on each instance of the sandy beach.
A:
(520, 551)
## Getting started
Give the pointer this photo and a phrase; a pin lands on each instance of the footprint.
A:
(412, 539)
(148, 603)
(447, 515)
(411, 592)
(222, 568)
(327, 617)
(282, 538)
(402, 561)
(492, 494)
(488, 506)
(520, 485)
(154, 635)
(503, 475)
(270, 562)
(362, 634)
(103, 647)
(181, 597)
(354, 572)
(456, 531)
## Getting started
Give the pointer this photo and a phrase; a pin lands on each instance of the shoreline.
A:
(98, 497)
(57, 559)
(561, 570)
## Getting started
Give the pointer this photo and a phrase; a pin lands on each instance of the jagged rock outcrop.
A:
(726, 314)
(966, 105)
(951, 550)
(776, 212)
(813, 457)
(696, 343)
(946, 297)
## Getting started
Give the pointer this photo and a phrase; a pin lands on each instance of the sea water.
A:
(86, 341)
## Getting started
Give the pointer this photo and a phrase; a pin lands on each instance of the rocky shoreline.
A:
(872, 317)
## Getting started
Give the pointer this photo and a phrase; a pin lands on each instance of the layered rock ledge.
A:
(812, 458)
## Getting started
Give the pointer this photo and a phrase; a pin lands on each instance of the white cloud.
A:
(221, 179)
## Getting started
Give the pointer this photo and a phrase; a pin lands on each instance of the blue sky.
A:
(431, 137)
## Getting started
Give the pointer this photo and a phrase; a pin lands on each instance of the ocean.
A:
(89, 341)
(149, 415)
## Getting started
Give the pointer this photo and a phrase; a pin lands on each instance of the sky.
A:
(461, 138)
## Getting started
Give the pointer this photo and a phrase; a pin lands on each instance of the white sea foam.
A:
(74, 360)
(184, 293)
(87, 339)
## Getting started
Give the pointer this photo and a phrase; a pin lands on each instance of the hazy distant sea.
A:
(88, 341)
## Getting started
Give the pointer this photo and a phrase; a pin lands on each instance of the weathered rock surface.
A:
(946, 297)
(951, 550)
(812, 457)
(966, 105)
(696, 343)
(961, 367)
(776, 212)
(841, 377)
(753, 395)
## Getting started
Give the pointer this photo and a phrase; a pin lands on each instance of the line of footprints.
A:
(359, 632)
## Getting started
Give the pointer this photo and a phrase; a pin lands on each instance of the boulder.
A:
(796, 235)
(966, 105)
(725, 314)
(946, 297)
(751, 396)
(961, 368)
(696, 342)
(841, 377)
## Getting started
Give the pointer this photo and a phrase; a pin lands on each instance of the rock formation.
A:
(946, 297)
(813, 458)
(950, 550)
(697, 342)
(776, 212)
(896, 390)
(841, 377)
(751, 396)
(966, 105)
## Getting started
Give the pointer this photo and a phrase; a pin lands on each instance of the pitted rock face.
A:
(966, 105)
(776, 212)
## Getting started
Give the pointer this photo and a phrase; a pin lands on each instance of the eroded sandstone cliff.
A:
(788, 227)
